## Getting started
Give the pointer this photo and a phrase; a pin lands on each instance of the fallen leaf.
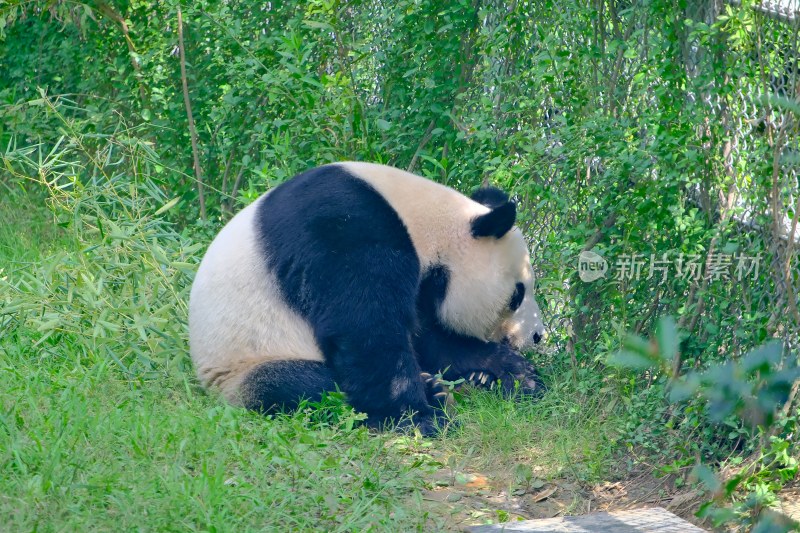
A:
(544, 494)
(477, 481)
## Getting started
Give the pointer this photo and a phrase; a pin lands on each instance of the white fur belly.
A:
(237, 316)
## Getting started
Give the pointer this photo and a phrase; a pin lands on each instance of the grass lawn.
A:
(86, 444)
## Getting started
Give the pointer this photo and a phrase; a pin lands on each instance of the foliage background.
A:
(626, 127)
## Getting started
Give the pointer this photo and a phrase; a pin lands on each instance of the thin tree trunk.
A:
(235, 191)
(787, 267)
(192, 130)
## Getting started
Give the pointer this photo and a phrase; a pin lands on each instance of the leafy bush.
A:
(752, 390)
(120, 290)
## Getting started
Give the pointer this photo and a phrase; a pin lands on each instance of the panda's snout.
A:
(538, 336)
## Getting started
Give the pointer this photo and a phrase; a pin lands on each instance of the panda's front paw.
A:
(480, 378)
(519, 378)
(437, 394)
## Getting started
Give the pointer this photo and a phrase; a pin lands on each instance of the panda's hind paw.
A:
(433, 424)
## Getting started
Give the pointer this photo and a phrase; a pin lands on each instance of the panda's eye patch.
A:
(517, 297)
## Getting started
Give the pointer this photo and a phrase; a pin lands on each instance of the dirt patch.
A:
(789, 499)
(476, 498)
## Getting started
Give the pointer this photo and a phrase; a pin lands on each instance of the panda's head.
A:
(491, 284)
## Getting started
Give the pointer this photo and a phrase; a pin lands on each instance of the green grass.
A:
(86, 446)
(563, 435)
(103, 426)
(83, 450)
(27, 230)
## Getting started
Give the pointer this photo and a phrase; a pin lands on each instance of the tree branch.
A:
(787, 272)
(609, 221)
(111, 13)
(235, 191)
(425, 138)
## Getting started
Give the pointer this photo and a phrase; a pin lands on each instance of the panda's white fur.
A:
(237, 317)
(239, 320)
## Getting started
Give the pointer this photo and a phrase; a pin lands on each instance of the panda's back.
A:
(435, 216)
(326, 233)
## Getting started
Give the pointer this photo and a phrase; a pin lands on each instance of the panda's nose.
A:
(537, 336)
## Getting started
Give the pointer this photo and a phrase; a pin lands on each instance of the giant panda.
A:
(368, 279)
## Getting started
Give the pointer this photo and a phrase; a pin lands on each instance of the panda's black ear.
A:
(496, 222)
(491, 197)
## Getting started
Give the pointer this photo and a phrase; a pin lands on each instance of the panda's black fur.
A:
(354, 239)
(345, 265)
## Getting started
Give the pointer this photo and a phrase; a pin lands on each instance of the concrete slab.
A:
(652, 520)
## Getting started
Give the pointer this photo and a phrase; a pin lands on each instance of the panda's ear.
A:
(491, 197)
(496, 222)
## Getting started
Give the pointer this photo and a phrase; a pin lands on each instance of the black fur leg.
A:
(281, 385)
(387, 388)
(433, 426)
(477, 362)
(480, 363)
(430, 423)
